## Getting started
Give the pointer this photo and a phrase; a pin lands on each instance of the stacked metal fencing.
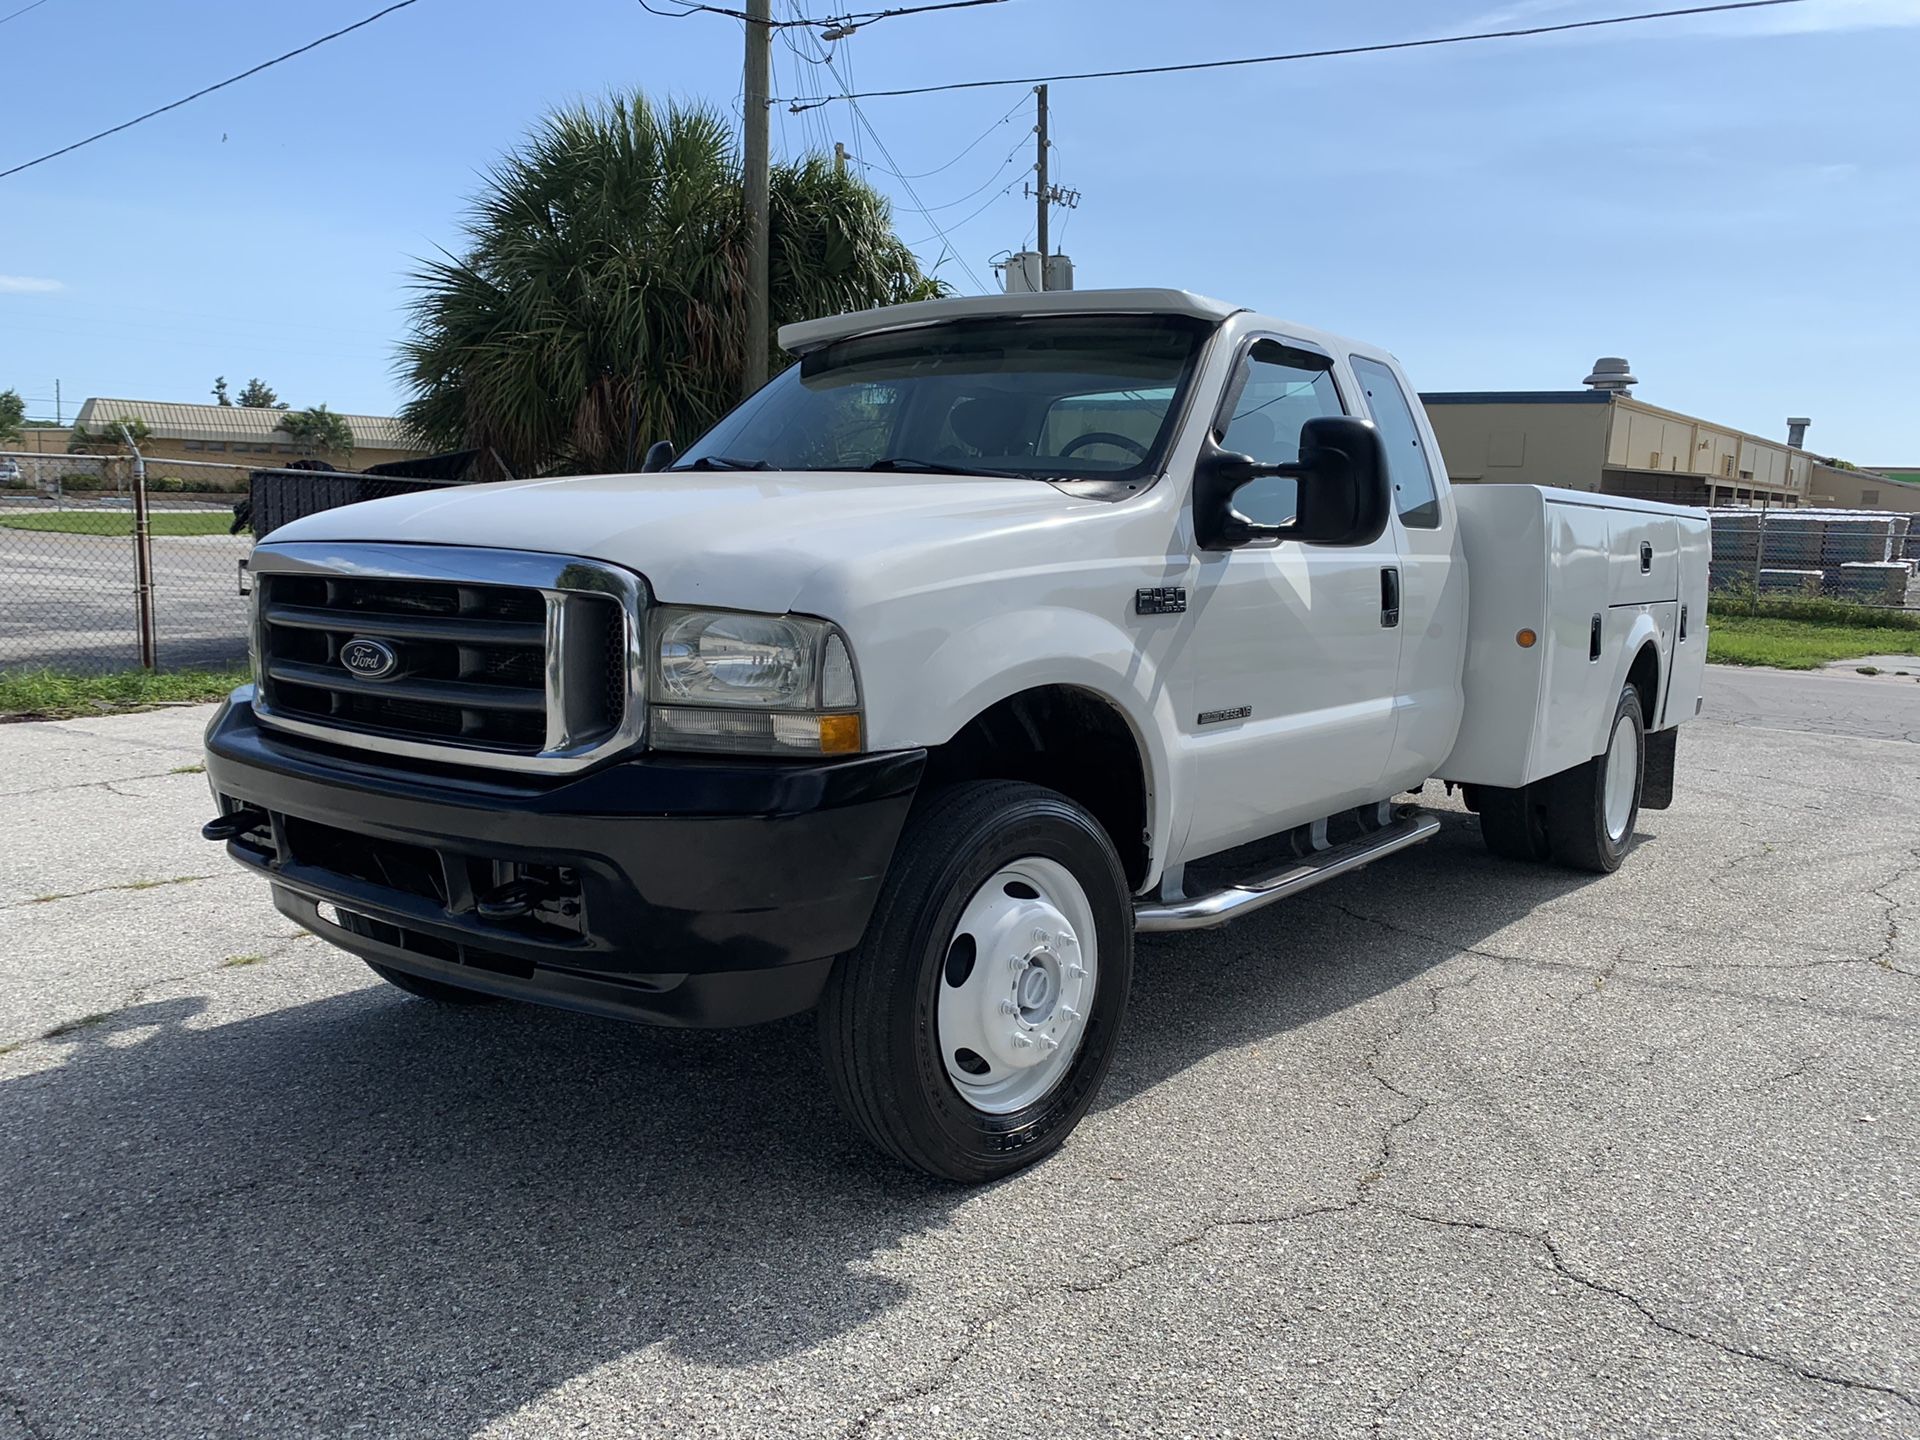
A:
(72, 570)
(1864, 557)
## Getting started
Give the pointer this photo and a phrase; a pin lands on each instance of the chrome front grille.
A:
(487, 657)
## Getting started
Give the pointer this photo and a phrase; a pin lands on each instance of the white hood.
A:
(742, 539)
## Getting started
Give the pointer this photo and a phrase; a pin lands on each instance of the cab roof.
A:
(811, 334)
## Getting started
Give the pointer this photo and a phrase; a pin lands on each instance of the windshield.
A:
(1082, 397)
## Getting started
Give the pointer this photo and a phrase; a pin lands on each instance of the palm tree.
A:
(601, 302)
(317, 432)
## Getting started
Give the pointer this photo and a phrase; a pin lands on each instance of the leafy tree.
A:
(13, 415)
(220, 396)
(600, 303)
(317, 432)
(111, 438)
(258, 395)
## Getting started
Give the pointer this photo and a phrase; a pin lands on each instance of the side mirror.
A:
(660, 454)
(1345, 496)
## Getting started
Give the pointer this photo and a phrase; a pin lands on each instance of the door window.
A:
(1407, 463)
(1280, 390)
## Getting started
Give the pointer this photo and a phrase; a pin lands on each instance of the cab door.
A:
(1293, 664)
(1433, 578)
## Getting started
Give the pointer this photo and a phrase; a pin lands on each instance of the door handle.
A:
(1389, 597)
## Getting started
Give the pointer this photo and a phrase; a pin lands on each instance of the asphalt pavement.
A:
(1451, 1147)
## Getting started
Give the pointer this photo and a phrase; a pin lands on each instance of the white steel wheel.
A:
(1623, 777)
(969, 1031)
(1017, 986)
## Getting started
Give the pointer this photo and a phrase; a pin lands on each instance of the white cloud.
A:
(27, 285)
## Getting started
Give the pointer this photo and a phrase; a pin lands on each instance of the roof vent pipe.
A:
(1610, 372)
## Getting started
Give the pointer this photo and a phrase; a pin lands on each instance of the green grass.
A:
(1806, 634)
(120, 522)
(54, 695)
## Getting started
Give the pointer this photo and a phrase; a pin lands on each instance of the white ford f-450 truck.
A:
(990, 633)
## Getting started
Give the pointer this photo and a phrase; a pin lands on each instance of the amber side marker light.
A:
(1526, 639)
(839, 734)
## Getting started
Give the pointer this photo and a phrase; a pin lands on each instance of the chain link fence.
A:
(71, 570)
(1864, 557)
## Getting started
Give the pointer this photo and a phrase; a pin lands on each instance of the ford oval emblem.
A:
(369, 659)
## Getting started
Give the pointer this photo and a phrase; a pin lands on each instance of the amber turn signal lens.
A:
(839, 734)
(1526, 639)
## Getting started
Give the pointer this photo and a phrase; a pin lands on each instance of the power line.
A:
(949, 248)
(956, 204)
(1304, 54)
(14, 15)
(843, 23)
(990, 202)
(1018, 105)
(220, 85)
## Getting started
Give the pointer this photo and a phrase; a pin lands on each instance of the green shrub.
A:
(1812, 610)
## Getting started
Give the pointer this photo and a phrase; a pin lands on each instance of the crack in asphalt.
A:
(1884, 956)
(105, 889)
(1384, 1410)
(1544, 1239)
(1375, 1171)
(1621, 959)
(99, 785)
(139, 996)
(1363, 1196)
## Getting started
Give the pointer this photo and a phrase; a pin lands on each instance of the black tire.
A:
(436, 990)
(1514, 823)
(878, 1017)
(1577, 799)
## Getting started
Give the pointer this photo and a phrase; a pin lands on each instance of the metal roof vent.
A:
(1610, 372)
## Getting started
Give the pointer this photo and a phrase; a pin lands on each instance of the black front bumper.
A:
(684, 891)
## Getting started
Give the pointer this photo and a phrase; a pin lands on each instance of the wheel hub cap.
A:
(1622, 781)
(1017, 986)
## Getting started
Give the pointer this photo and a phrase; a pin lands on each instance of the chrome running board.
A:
(1204, 911)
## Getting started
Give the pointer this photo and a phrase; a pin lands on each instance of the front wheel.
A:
(969, 1031)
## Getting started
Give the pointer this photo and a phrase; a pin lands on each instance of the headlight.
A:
(752, 684)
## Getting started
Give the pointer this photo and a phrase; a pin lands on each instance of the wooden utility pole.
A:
(1040, 170)
(758, 83)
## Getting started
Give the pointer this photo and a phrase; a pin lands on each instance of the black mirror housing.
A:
(660, 454)
(1345, 495)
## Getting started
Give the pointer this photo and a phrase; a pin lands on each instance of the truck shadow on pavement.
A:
(371, 1211)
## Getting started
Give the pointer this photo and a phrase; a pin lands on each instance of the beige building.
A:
(1844, 489)
(236, 434)
(1608, 441)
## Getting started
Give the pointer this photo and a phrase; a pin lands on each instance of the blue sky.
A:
(1731, 202)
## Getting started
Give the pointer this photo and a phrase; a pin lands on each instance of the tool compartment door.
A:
(1687, 684)
(1644, 561)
